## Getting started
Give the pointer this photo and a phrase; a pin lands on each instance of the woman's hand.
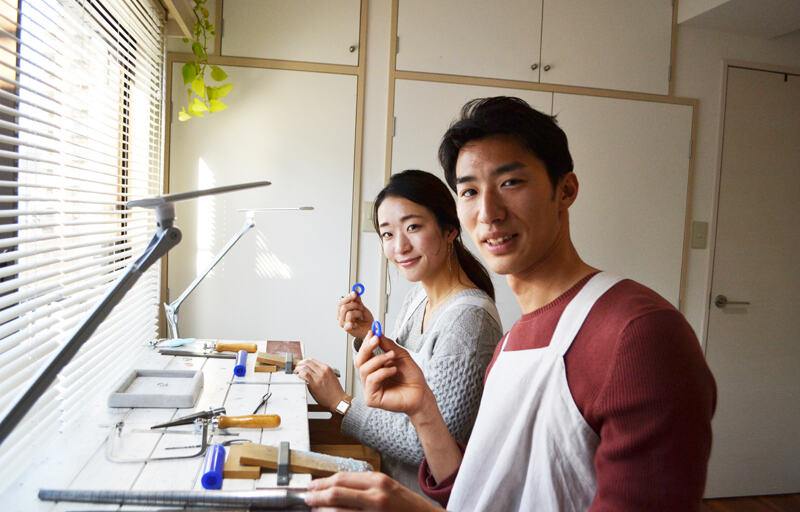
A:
(391, 380)
(364, 491)
(353, 316)
(322, 382)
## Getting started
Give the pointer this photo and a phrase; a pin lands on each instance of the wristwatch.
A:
(343, 406)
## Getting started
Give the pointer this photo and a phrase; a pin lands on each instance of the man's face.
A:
(507, 204)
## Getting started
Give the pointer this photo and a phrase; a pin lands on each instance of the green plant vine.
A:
(202, 98)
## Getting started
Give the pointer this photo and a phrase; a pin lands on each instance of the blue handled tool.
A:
(376, 329)
(358, 288)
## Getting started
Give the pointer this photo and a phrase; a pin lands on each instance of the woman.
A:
(448, 322)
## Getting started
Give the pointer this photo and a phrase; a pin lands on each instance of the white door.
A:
(753, 349)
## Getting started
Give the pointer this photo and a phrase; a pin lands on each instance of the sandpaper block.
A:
(234, 467)
(278, 360)
(282, 347)
(316, 464)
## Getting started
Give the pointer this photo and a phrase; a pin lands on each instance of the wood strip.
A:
(316, 464)
(264, 368)
(278, 360)
(234, 467)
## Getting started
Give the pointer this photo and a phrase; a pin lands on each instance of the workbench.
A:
(76, 457)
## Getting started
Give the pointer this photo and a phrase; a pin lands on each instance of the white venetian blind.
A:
(80, 135)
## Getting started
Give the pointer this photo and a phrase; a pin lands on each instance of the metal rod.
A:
(272, 499)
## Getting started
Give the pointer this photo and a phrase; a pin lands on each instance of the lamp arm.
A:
(171, 309)
(166, 237)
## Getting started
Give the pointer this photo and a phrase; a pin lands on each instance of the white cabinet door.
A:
(472, 38)
(300, 30)
(281, 281)
(632, 162)
(607, 44)
(424, 111)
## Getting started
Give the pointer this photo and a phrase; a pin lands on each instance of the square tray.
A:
(158, 389)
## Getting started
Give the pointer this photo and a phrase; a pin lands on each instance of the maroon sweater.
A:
(638, 376)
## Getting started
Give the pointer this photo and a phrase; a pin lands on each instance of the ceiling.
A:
(767, 19)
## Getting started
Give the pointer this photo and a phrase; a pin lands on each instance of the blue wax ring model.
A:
(376, 328)
(241, 364)
(358, 288)
(212, 467)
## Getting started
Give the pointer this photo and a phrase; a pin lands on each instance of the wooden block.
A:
(268, 368)
(316, 464)
(278, 360)
(234, 467)
(292, 347)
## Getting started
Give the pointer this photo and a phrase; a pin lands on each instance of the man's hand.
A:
(322, 383)
(391, 380)
(364, 491)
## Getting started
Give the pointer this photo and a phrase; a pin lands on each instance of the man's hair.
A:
(504, 115)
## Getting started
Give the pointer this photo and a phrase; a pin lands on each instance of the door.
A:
(753, 344)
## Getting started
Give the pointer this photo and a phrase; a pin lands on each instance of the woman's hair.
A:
(425, 189)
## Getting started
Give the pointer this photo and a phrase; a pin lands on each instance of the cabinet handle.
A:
(352, 48)
(546, 67)
(535, 66)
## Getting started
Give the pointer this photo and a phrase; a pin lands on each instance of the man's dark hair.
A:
(504, 115)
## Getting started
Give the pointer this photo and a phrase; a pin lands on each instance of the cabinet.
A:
(607, 44)
(324, 31)
(631, 159)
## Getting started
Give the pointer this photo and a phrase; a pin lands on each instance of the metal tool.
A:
(283, 463)
(191, 418)
(264, 400)
(117, 432)
(217, 417)
(196, 353)
(266, 499)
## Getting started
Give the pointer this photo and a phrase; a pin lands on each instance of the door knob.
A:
(535, 66)
(721, 301)
(546, 67)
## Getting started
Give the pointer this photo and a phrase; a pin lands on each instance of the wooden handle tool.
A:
(250, 348)
(250, 421)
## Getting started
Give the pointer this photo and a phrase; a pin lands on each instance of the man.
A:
(598, 398)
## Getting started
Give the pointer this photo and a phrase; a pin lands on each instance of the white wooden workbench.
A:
(76, 457)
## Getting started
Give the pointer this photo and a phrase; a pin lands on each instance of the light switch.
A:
(366, 216)
(699, 234)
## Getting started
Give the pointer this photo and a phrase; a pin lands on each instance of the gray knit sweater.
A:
(459, 346)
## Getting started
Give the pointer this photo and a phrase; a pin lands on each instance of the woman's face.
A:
(412, 239)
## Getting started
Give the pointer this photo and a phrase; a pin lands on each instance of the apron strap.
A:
(578, 309)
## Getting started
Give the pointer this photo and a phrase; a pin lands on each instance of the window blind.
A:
(81, 88)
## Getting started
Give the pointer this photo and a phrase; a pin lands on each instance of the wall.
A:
(698, 74)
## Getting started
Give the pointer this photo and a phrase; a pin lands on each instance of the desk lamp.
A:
(165, 238)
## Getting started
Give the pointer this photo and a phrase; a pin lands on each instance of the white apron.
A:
(482, 302)
(531, 448)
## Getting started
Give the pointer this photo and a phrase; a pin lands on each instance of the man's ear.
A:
(568, 189)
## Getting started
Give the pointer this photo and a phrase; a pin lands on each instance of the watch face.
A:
(342, 407)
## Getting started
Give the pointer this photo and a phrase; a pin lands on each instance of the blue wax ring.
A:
(212, 467)
(241, 364)
(358, 288)
(376, 328)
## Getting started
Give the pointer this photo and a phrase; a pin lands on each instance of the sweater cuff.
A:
(437, 491)
(356, 417)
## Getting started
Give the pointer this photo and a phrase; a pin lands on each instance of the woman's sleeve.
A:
(454, 373)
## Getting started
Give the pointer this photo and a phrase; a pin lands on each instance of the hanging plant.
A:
(202, 98)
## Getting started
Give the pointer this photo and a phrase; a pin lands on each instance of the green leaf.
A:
(211, 92)
(216, 106)
(198, 50)
(197, 108)
(199, 86)
(223, 90)
(183, 116)
(204, 11)
(217, 73)
(189, 71)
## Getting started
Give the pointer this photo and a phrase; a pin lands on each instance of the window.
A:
(81, 88)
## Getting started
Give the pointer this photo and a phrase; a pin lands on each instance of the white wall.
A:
(698, 74)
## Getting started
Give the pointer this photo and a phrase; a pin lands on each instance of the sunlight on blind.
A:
(80, 135)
